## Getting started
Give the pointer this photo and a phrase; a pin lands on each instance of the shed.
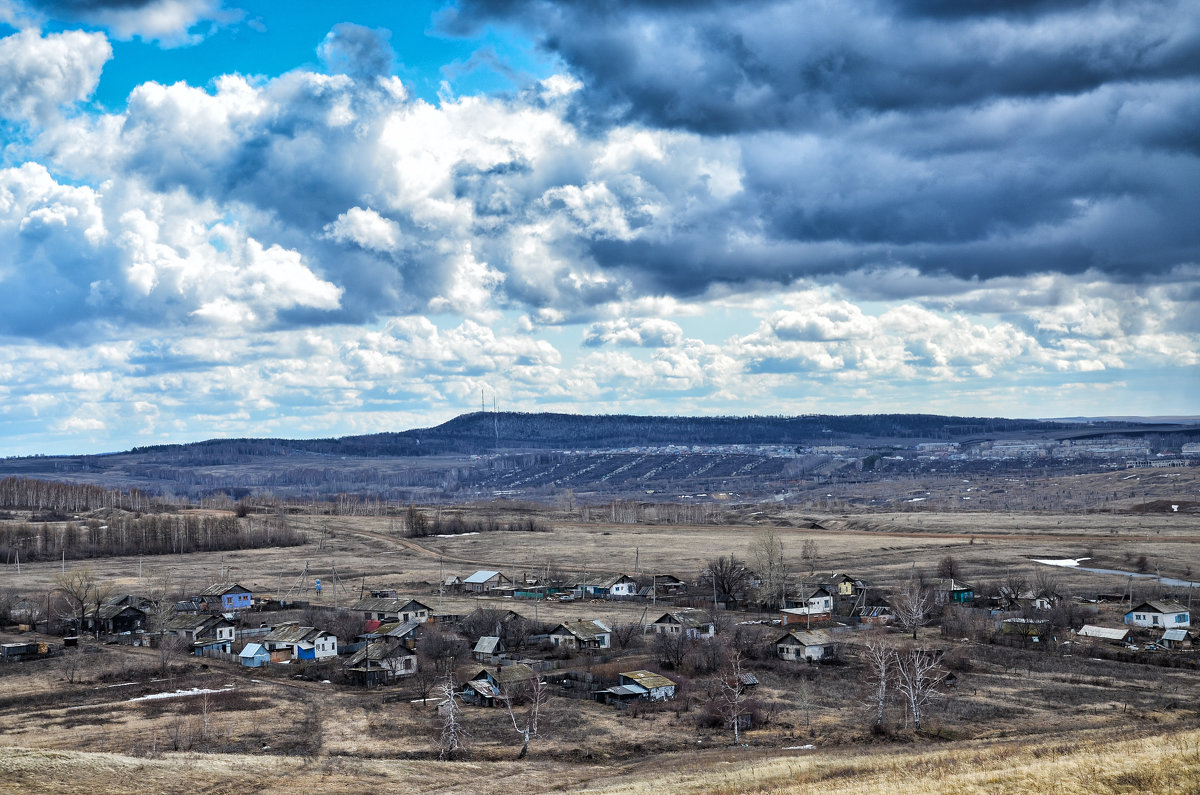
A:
(1110, 634)
(254, 655)
(487, 647)
(1025, 627)
(1176, 639)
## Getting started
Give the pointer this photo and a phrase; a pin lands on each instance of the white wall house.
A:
(1168, 615)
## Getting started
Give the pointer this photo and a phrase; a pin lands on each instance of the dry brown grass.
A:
(1079, 763)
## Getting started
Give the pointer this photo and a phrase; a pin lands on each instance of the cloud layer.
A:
(794, 206)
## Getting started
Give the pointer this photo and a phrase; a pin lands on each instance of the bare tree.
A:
(452, 736)
(627, 635)
(809, 553)
(948, 567)
(78, 587)
(1046, 583)
(918, 674)
(534, 694)
(730, 694)
(437, 656)
(100, 595)
(747, 640)
(728, 575)
(672, 648)
(879, 662)
(1015, 583)
(910, 606)
(766, 555)
(159, 614)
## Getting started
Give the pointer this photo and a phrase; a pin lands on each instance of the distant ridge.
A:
(482, 432)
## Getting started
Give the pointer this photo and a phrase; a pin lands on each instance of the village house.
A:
(293, 642)
(606, 587)
(379, 610)
(407, 632)
(491, 686)
(691, 621)
(637, 686)
(847, 587)
(225, 597)
(805, 646)
(380, 662)
(116, 616)
(874, 615)
(947, 590)
(582, 635)
(1027, 599)
(810, 606)
(486, 582)
(664, 586)
(1170, 615)
(203, 630)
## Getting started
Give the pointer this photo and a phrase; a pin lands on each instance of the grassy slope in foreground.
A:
(1078, 763)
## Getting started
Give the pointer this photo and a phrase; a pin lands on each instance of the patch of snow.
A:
(195, 691)
(1067, 562)
(799, 747)
(455, 535)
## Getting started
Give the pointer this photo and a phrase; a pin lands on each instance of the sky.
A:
(309, 219)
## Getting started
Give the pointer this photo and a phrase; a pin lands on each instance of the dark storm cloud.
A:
(973, 140)
(721, 67)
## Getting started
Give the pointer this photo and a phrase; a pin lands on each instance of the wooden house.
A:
(115, 618)
(291, 641)
(689, 620)
(379, 610)
(582, 635)
(810, 606)
(202, 630)
(947, 590)
(488, 687)
(1168, 615)
(381, 662)
(845, 586)
(225, 597)
(486, 582)
(664, 586)
(638, 686)
(805, 646)
(407, 632)
(873, 614)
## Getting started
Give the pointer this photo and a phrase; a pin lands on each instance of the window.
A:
(1181, 618)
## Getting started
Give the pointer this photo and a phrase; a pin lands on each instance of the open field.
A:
(1017, 719)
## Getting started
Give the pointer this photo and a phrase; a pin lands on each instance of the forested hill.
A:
(482, 432)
